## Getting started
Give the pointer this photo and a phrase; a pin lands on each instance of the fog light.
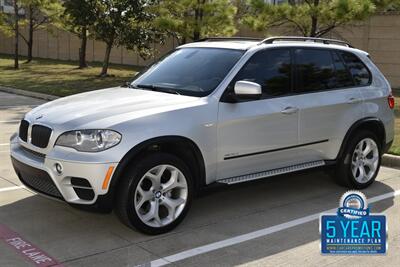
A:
(59, 168)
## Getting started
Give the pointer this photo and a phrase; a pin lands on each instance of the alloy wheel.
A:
(161, 195)
(365, 160)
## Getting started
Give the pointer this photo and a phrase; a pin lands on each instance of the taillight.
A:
(391, 101)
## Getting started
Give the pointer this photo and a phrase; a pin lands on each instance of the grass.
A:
(61, 78)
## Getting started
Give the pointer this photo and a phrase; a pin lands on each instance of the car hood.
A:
(107, 107)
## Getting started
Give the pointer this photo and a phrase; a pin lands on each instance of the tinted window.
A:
(342, 75)
(271, 69)
(359, 71)
(190, 71)
(315, 70)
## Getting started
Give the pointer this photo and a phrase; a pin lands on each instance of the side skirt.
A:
(269, 173)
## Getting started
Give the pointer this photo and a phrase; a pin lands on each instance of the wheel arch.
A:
(180, 146)
(372, 124)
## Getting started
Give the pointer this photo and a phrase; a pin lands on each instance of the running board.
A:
(265, 174)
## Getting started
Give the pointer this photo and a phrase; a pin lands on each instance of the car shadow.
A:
(216, 214)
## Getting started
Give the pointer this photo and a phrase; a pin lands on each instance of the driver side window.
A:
(272, 69)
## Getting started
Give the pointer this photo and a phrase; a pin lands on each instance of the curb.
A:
(391, 161)
(28, 93)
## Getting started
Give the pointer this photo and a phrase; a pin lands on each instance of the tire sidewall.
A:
(346, 164)
(134, 177)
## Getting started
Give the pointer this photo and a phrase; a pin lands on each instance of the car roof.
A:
(243, 44)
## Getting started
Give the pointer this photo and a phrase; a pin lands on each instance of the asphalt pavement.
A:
(271, 222)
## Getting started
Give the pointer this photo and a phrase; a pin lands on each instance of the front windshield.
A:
(189, 71)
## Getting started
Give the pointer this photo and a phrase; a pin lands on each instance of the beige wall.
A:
(58, 44)
(380, 36)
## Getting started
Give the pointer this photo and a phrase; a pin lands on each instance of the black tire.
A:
(126, 189)
(343, 174)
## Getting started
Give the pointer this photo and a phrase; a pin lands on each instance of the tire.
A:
(137, 202)
(347, 165)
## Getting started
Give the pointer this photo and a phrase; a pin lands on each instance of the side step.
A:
(265, 174)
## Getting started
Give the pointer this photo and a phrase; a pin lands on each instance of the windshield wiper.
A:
(157, 88)
(129, 85)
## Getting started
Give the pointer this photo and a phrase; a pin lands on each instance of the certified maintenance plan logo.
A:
(353, 230)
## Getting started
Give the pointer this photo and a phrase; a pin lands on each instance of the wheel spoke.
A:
(358, 149)
(173, 182)
(368, 148)
(371, 162)
(172, 205)
(362, 174)
(355, 169)
(156, 178)
(161, 170)
(144, 197)
(156, 214)
(151, 214)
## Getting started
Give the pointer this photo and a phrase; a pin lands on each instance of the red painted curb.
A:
(26, 249)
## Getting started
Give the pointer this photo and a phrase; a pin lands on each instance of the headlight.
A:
(89, 140)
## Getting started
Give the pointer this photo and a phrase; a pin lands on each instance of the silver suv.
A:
(215, 111)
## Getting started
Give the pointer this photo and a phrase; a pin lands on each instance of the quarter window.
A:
(343, 77)
(357, 69)
(271, 69)
(315, 70)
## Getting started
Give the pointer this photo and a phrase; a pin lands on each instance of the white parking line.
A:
(5, 144)
(249, 236)
(11, 188)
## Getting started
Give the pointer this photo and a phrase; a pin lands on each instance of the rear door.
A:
(329, 100)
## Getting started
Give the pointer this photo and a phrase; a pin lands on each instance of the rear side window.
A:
(343, 76)
(358, 70)
(315, 70)
(271, 69)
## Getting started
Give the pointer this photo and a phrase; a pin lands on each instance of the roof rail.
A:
(271, 40)
(210, 39)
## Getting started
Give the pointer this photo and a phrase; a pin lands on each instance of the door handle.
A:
(353, 100)
(289, 110)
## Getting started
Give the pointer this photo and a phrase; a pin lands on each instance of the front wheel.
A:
(156, 194)
(361, 162)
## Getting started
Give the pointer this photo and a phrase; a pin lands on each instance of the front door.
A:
(258, 135)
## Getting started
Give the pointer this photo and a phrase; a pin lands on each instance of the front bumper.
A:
(79, 182)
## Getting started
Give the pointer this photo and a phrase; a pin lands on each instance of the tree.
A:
(194, 19)
(38, 14)
(78, 17)
(124, 23)
(9, 25)
(16, 34)
(34, 14)
(313, 18)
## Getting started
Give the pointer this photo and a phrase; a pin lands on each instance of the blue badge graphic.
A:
(353, 230)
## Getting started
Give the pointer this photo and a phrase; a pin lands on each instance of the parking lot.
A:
(271, 222)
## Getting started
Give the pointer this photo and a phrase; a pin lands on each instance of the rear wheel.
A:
(360, 164)
(156, 194)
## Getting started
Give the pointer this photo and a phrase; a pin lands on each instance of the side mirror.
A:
(247, 90)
